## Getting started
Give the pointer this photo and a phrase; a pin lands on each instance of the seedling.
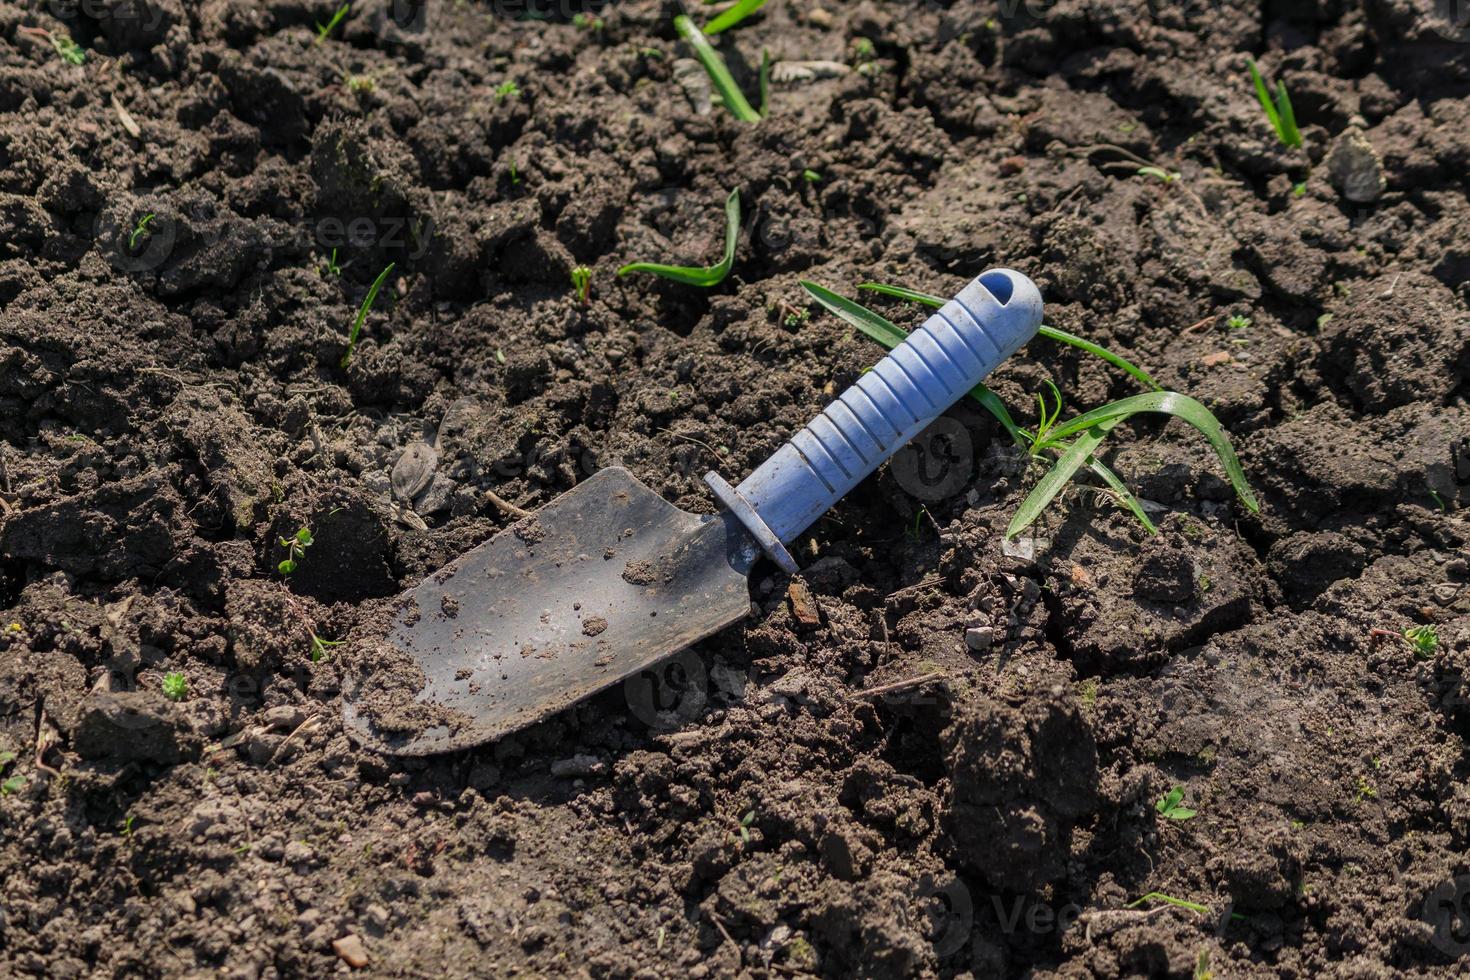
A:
(1168, 806)
(1238, 322)
(515, 176)
(322, 30)
(1057, 442)
(718, 71)
(863, 49)
(1167, 176)
(744, 826)
(1278, 109)
(295, 546)
(588, 22)
(175, 686)
(733, 16)
(362, 312)
(70, 51)
(361, 84)
(12, 785)
(139, 230)
(810, 176)
(333, 269)
(127, 826)
(319, 647)
(1045, 422)
(507, 89)
(710, 275)
(1423, 639)
(582, 282)
(1202, 969)
(1178, 903)
(1299, 190)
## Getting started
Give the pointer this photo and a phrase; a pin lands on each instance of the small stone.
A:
(1355, 168)
(299, 852)
(351, 950)
(817, 17)
(803, 606)
(980, 638)
(1216, 359)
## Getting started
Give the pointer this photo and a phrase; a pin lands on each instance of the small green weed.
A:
(507, 89)
(810, 176)
(1168, 806)
(333, 269)
(588, 22)
(744, 826)
(175, 686)
(582, 283)
(323, 30)
(1178, 903)
(711, 275)
(139, 230)
(1366, 789)
(320, 647)
(1278, 109)
(1238, 322)
(14, 784)
(1202, 969)
(295, 546)
(69, 51)
(127, 825)
(1167, 176)
(362, 313)
(1424, 640)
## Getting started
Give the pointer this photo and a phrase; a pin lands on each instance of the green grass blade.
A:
(1116, 360)
(1264, 97)
(362, 313)
(882, 330)
(1290, 134)
(992, 404)
(1178, 903)
(899, 292)
(1057, 477)
(1181, 407)
(733, 16)
(1051, 333)
(693, 275)
(1124, 494)
(719, 73)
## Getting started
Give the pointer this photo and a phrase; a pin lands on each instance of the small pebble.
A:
(980, 638)
(351, 950)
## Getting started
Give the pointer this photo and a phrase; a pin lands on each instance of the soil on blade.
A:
(953, 768)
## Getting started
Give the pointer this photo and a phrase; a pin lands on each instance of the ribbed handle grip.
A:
(932, 369)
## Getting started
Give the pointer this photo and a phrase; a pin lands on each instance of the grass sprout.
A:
(1277, 108)
(320, 647)
(140, 230)
(362, 313)
(1178, 903)
(324, 30)
(1045, 422)
(1168, 806)
(691, 275)
(733, 16)
(718, 71)
(1167, 176)
(175, 686)
(68, 50)
(1068, 445)
(507, 89)
(581, 282)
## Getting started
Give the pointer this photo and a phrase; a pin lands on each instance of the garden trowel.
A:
(609, 578)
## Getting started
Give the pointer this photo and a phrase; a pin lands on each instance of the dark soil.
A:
(171, 406)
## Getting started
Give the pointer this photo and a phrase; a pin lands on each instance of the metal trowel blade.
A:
(601, 583)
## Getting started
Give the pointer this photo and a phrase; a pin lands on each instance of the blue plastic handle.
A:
(934, 367)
